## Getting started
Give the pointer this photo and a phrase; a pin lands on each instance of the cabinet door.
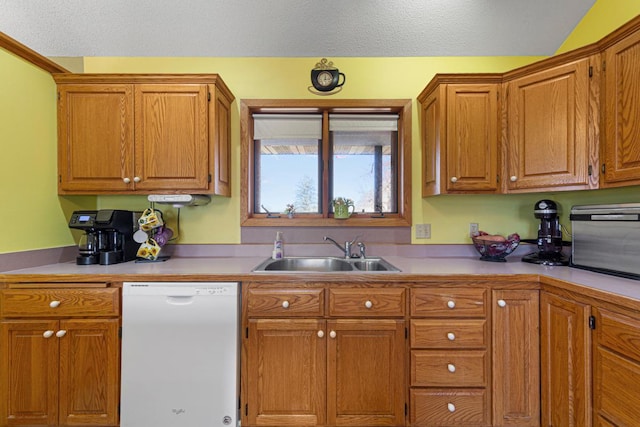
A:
(89, 372)
(95, 137)
(365, 372)
(220, 142)
(516, 364)
(433, 135)
(29, 373)
(548, 127)
(171, 134)
(621, 101)
(565, 361)
(286, 372)
(472, 137)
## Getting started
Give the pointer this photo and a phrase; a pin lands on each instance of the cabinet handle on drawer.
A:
(332, 334)
(451, 407)
(451, 336)
(451, 304)
(451, 367)
(54, 304)
(61, 333)
(320, 333)
(368, 304)
(48, 334)
(502, 303)
(285, 304)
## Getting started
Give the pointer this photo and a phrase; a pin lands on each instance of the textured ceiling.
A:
(291, 28)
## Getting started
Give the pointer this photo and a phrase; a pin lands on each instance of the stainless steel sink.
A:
(324, 264)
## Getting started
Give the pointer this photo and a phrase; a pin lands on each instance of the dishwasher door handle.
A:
(180, 299)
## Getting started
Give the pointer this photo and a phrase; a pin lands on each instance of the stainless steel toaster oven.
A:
(606, 238)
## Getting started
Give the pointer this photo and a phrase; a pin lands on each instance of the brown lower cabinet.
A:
(338, 369)
(59, 354)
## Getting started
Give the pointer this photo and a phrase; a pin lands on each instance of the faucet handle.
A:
(363, 249)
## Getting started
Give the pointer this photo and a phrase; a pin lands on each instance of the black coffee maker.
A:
(108, 236)
(549, 236)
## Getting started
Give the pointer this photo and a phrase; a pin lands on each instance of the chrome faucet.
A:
(363, 250)
(347, 246)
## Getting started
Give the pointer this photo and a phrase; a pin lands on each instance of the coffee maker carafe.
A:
(107, 238)
(549, 236)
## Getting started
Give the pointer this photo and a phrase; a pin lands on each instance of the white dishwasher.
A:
(180, 351)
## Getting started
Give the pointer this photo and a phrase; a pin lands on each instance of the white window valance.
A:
(363, 122)
(287, 126)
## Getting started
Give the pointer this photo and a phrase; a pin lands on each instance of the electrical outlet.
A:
(423, 231)
(473, 228)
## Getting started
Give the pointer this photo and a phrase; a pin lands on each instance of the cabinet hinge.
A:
(604, 65)
(590, 170)
(209, 96)
(246, 409)
(120, 332)
(406, 409)
(209, 177)
(246, 333)
(58, 96)
(603, 168)
(592, 322)
(406, 333)
(590, 70)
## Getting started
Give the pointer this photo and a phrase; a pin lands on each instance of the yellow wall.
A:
(289, 78)
(603, 17)
(31, 215)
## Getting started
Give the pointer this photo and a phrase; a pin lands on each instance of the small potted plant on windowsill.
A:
(341, 207)
(290, 210)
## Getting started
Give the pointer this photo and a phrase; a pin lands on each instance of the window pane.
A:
(363, 169)
(287, 172)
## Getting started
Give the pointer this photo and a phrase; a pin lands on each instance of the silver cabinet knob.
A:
(61, 333)
(126, 180)
(451, 304)
(48, 334)
(454, 179)
(136, 179)
(502, 303)
(54, 304)
(513, 178)
(285, 304)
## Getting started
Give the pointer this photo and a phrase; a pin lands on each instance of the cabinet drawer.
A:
(366, 302)
(449, 302)
(619, 333)
(445, 407)
(457, 368)
(67, 302)
(617, 388)
(448, 333)
(285, 302)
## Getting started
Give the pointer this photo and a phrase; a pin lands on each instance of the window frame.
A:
(402, 107)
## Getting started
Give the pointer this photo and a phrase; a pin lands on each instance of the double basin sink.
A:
(324, 264)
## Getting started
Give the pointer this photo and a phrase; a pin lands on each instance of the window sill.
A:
(300, 221)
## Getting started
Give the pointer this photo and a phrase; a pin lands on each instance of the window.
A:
(306, 154)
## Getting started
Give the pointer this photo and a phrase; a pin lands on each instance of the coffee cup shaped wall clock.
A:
(325, 78)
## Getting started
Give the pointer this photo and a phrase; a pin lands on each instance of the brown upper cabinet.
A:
(566, 123)
(620, 110)
(547, 128)
(460, 131)
(124, 134)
